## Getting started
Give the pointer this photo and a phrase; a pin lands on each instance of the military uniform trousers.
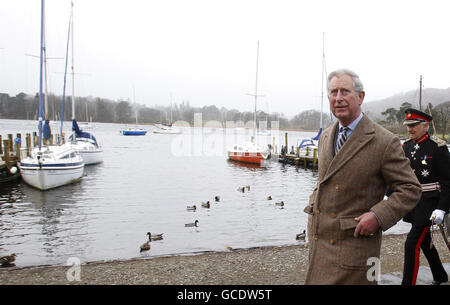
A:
(420, 238)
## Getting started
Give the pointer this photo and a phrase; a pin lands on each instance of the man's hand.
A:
(368, 224)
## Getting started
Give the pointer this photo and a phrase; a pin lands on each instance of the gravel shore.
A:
(285, 265)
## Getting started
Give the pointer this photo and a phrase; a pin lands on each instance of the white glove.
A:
(437, 216)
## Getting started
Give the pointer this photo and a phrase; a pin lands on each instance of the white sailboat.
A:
(250, 152)
(51, 166)
(83, 142)
(167, 128)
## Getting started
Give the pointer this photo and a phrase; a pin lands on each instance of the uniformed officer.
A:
(430, 161)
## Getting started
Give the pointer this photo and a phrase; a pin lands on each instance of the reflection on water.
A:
(144, 186)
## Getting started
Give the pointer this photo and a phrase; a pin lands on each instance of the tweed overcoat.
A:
(349, 184)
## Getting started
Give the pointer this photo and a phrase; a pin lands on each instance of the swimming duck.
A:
(269, 198)
(191, 208)
(206, 204)
(217, 198)
(281, 203)
(145, 246)
(248, 187)
(7, 261)
(153, 237)
(301, 236)
(192, 224)
(241, 189)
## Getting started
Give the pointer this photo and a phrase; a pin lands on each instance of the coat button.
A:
(337, 186)
(316, 238)
(332, 241)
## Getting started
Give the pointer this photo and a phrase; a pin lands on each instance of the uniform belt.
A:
(428, 187)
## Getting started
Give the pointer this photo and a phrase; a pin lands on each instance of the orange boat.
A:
(248, 153)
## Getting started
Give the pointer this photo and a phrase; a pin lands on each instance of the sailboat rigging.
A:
(52, 166)
(167, 128)
(313, 142)
(83, 142)
(250, 152)
(134, 131)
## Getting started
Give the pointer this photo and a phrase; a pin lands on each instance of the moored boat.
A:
(134, 132)
(51, 167)
(166, 129)
(248, 152)
(83, 142)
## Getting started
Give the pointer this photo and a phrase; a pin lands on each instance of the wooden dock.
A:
(306, 158)
(12, 151)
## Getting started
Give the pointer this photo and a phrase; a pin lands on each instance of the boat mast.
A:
(46, 110)
(135, 108)
(40, 74)
(420, 94)
(255, 95)
(65, 72)
(323, 72)
(256, 87)
(73, 72)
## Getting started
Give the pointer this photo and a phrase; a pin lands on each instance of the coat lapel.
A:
(363, 134)
(327, 147)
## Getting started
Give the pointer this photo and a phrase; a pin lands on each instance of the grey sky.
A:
(204, 51)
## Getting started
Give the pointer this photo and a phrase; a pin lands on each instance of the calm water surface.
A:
(145, 184)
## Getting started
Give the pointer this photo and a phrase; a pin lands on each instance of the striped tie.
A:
(342, 139)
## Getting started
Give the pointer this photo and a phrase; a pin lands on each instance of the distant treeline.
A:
(394, 118)
(26, 107)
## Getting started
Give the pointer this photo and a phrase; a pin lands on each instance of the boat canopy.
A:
(47, 131)
(318, 135)
(82, 134)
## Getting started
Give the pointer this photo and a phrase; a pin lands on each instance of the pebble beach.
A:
(285, 265)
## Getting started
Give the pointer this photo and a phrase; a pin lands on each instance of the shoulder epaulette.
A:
(438, 141)
(406, 141)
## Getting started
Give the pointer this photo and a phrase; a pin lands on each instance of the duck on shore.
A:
(217, 198)
(206, 204)
(7, 261)
(191, 208)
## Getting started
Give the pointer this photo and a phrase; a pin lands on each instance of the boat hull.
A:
(247, 157)
(90, 153)
(91, 157)
(49, 177)
(134, 132)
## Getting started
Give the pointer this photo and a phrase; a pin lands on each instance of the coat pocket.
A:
(354, 252)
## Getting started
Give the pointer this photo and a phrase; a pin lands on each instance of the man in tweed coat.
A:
(346, 210)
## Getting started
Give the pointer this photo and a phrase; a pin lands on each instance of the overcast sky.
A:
(204, 51)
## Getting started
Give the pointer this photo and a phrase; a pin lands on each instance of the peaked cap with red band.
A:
(414, 116)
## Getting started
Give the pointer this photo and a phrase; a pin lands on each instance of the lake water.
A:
(145, 184)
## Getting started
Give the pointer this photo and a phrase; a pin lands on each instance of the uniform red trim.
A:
(415, 116)
(422, 138)
(417, 255)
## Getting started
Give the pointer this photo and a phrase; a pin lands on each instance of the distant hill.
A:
(429, 95)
